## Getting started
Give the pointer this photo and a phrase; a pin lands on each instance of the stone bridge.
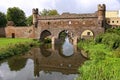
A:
(78, 26)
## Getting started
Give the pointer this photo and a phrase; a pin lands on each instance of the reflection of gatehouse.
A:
(78, 26)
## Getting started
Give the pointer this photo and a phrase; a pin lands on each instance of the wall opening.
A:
(86, 34)
(13, 35)
(45, 36)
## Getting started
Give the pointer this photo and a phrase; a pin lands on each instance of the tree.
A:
(46, 12)
(17, 16)
(29, 20)
(3, 20)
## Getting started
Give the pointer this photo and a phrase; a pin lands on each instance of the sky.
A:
(72, 6)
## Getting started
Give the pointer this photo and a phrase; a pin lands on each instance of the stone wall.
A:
(2, 32)
(19, 32)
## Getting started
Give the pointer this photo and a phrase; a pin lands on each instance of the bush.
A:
(16, 49)
(47, 40)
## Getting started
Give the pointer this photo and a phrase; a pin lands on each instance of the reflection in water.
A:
(67, 47)
(46, 50)
(43, 63)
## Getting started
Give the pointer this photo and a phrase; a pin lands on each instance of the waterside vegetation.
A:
(104, 55)
(10, 47)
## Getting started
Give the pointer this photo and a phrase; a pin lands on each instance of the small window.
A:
(69, 22)
(48, 23)
(117, 21)
(88, 33)
(112, 21)
(108, 21)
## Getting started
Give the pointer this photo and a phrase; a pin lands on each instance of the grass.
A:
(4, 42)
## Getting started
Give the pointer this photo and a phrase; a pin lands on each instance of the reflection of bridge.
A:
(56, 62)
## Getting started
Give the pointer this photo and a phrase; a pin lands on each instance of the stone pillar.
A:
(75, 41)
(53, 40)
(75, 48)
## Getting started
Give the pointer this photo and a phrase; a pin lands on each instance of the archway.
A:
(87, 34)
(63, 34)
(66, 44)
(45, 35)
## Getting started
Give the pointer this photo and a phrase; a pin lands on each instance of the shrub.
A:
(47, 40)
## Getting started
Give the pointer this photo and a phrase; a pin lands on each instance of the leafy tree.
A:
(53, 12)
(3, 20)
(29, 20)
(16, 15)
(46, 12)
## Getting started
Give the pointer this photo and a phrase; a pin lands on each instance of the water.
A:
(44, 63)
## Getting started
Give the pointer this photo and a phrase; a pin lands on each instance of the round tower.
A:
(101, 11)
(35, 14)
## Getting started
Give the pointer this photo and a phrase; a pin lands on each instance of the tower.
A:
(101, 15)
(35, 16)
(101, 11)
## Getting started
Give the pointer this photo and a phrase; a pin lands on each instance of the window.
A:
(117, 21)
(88, 33)
(112, 21)
(108, 21)
(48, 23)
(69, 22)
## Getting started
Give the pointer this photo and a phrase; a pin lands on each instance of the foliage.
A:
(108, 69)
(47, 40)
(3, 20)
(110, 38)
(16, 63)
(29, 20)
(16, 15)
(15, 46)
(104, 54)
(46, 12)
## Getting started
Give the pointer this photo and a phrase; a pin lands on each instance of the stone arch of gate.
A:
(45, 34)
(87, 34)
(69, 32)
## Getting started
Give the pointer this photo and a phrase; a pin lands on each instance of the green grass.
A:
(4, 42)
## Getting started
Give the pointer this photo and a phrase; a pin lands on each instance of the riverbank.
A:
(104, 55)
(10, 47)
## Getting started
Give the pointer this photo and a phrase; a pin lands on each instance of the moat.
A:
(59, 62)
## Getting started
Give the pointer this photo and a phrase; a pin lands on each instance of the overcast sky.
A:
(72, 6)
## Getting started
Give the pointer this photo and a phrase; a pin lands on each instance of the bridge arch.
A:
(68, 32)
(45, 34)
(86, 34)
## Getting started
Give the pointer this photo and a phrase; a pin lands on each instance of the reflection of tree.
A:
(17, 63)
(62, 37)
(46, 50)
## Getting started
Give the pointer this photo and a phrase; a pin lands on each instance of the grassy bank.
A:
(10, 47)
(104, 54)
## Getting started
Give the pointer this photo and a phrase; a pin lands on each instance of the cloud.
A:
(73, 6)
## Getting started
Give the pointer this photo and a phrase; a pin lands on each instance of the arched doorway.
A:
(87, 34)
(45, 35)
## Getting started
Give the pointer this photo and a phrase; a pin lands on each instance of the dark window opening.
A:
(48, 23)
(112, 21)
(88, 33)
(117, 21)
(108, 21)
(13, 35)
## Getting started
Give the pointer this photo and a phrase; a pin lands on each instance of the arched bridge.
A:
(77, 25)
